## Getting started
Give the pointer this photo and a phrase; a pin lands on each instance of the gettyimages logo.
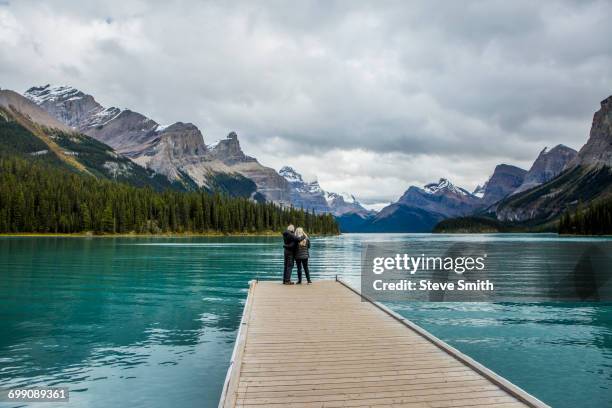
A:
(480, 272)
(413, 264)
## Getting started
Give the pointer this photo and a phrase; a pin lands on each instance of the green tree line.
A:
(595, 219)
(38, 197)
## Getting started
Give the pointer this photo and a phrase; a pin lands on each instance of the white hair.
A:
(300, 233)
(290, 228)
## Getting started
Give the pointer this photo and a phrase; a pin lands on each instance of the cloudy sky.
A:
(369, 97)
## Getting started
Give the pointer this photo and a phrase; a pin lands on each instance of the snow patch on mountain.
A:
(291, 175)
(53, 93)
(479, 190)
(104, 116)
(444, 185)
(161, 128)
(348, 198)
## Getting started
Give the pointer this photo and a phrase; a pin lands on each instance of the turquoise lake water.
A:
(151, 322)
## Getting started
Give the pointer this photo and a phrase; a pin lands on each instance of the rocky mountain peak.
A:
(505, 180)
(341, 197)
(176, 151)
(228, 150)
(291, 175)
(548, 165)
(433, 202)
(185, 139)
(71, 106)
(12, 101)
(444, 186)
(598, 149)
(52, 93)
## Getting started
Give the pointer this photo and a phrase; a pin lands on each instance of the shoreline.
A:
(135, 235)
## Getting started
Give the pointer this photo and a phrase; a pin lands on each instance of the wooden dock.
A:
(319, 345)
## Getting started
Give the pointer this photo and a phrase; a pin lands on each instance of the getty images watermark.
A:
(412, 264)
(489, 271)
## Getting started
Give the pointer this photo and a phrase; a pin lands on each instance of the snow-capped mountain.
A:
(420, 209)
(297, 182)
(307, 195)
(310, 195)
(71, 106)
(442, 197)
(445, 186)
(177, 150)
(342, 204)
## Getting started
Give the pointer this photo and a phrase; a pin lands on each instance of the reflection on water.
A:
(152, 321)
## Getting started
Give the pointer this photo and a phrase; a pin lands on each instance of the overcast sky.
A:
(369, 97)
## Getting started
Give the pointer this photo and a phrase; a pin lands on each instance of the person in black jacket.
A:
(302, 254)
(290, 242)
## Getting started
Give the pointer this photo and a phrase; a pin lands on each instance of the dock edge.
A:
(227, 394)
(490, 375)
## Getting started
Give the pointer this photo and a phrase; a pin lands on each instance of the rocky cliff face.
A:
(547, 166)
(229, 151)
(70, 106)
(171, 150)
(598, 149)
(177, 151)
(129, 132)
(505, 180)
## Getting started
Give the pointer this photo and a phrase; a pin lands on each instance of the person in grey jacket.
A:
(302, 254)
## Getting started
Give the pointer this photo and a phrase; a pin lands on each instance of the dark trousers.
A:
(303, 263)
(288, 266)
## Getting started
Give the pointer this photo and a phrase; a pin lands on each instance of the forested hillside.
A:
(37, 196)
(596, 219)
(19, 137)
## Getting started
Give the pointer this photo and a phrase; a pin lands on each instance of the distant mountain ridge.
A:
(504, 181)
(548, 165)
(420, 209)
(559, 179)
(586, 178)
(310, 195)
(177, 151)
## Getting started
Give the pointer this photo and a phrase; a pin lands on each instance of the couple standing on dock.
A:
(296, 246)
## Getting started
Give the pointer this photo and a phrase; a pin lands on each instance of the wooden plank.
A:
(321, 346)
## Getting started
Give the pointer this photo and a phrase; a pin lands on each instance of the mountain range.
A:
(30, 132)
(64, 125)
(176, 153)
(561, 181)
(586, 178)
(421, 209)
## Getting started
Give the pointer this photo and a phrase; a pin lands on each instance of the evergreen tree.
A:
(39, 197)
